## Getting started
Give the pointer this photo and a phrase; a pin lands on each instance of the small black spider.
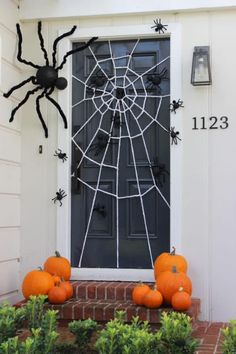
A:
(155, 79)
(174, 136)
(100, 145)
(159, 171)
(97, 80)
(46, 77)
(59, 196)
(175, 105)
(101, 209)
(159, 27)
(61, 155)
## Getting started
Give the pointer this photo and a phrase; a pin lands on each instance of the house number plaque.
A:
(213, 122)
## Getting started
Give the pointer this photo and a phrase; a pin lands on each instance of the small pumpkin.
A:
(181, 300)
(169, 282)
(58, 265)
(153, 298)
(167, 260)
(37, 282)
(138, 293)
(68, 288)
(56, 279)
(57, 295)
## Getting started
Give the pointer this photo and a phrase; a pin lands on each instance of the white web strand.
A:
(104, 99)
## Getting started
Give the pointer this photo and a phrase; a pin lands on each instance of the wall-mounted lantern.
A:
(201, 71)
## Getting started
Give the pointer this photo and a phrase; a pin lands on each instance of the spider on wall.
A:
(46, 78)
(159, 27)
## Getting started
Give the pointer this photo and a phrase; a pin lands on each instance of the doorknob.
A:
(101, 209)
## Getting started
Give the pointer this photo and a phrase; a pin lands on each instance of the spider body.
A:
(100, 145)
(174, 136)
(175, 105)
(61, 155)
(155, 79)
(98, 80)
(46, 77)
(159, 27)
(59, 196)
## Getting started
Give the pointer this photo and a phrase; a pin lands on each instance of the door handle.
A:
(75, 170)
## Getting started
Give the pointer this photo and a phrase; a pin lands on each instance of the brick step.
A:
(104, 310)
(105, 290)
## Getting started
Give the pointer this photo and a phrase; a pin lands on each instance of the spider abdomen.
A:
(46, 76)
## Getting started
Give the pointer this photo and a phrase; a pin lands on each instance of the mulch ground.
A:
(208, 334)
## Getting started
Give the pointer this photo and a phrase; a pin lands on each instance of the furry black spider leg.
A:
(54, 61)
(86, 45)
(20, 49)
(22, 83)
(42, 42)
(57, 106)
(40, 114)
(29, 93)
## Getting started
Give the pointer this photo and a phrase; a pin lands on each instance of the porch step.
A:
(100, 300)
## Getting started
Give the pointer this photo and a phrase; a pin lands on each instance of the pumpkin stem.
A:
(40, 268)
(181, 289)
(57, 254)
(173, 251)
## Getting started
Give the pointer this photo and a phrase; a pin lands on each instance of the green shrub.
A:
(229, 341)
(11, 319)
(35, 310)
(176, 333)
(121, 338)
(83, 331)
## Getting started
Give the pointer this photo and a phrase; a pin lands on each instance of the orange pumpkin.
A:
(37, 282)
(181, 300)
(169, 282)
(68, 288)
(57, 295)
(138, 293)
(57, 265)
(167, 260)
(153, 299)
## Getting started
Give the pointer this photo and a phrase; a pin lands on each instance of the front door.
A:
(120, 214)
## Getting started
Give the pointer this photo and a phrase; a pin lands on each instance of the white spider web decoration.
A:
(119, 95)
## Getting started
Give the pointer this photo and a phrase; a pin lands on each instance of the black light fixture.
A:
(201, 71)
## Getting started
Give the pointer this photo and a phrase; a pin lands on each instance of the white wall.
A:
(208, 188)
(10, 157)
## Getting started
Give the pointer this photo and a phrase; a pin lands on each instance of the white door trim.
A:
(64, 143)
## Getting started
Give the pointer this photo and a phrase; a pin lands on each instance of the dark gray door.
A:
(120, 215)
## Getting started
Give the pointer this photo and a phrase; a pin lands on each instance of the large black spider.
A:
(159, 27)
(159, 171)
(155, 79)
(46, 77)
(175, 105)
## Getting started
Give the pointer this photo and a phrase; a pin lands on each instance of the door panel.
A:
(120, 213)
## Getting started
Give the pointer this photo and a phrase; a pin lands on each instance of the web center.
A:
(120, 93)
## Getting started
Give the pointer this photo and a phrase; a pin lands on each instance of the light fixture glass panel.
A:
(201, 74)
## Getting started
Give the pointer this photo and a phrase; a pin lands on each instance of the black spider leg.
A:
(42, 42)
(57, 106)
(29, 93)
(86, 45)
(21, 60)
(66, 34)
(22, 83)
(39, 112)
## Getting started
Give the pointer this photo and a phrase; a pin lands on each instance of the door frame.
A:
(63, 237)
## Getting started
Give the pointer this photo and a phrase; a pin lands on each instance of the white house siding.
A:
(10, 157)
(208, 170)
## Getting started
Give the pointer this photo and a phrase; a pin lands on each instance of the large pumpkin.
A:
(167, 260)
(37, 282)
(57, 265)
(169, 282)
